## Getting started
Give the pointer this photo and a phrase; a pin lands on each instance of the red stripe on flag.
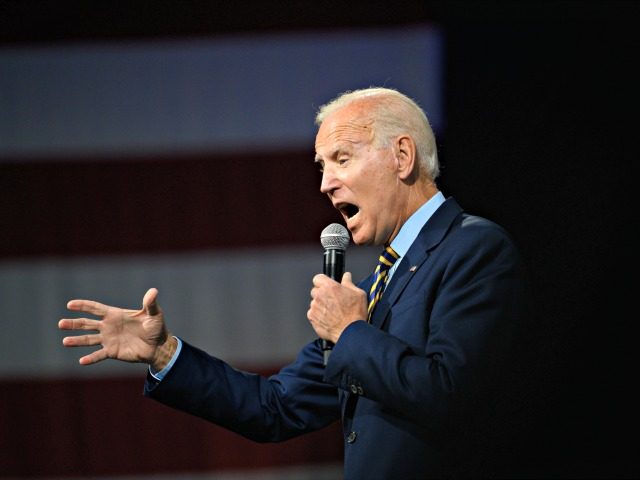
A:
(80, 427)
(179, 203)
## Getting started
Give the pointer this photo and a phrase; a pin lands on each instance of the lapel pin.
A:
(413, 269)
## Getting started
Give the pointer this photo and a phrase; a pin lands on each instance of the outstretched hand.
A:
(127, 335)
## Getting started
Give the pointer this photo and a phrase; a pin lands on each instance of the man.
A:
(422, 354)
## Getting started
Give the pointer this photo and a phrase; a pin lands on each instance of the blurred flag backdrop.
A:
(186, 165)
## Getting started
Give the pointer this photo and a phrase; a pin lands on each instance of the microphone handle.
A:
(333, 268)
(334, 264)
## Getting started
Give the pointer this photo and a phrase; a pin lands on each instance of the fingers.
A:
(149, 302)
(347, 281)
(318, 279)
(78, 324)
(84, 324)
(94, 357)
(88, 306)
(321, 280)
(82, 340)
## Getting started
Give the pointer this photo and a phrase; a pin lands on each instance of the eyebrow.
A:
(334, 153)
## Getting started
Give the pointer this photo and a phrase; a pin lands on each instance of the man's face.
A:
(359, 178)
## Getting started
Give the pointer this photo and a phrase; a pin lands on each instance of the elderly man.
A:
(423, 348)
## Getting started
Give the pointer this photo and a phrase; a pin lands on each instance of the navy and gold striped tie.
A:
(380, 276)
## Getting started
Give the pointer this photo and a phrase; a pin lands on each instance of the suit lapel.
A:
(398, 283)
(430, 236)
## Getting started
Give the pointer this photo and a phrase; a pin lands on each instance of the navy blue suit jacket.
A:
(422, 390)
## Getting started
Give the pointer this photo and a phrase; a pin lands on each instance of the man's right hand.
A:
(128, 335)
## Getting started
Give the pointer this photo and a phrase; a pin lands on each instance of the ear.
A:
(405, 149)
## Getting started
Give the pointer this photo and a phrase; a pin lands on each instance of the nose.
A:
(329, 181)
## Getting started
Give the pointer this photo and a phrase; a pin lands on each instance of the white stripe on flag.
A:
(245, 306)
(237, 93)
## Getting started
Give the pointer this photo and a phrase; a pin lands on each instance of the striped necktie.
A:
(380, 276)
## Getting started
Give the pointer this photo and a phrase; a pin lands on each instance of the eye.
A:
(343, 161)
(320, 165)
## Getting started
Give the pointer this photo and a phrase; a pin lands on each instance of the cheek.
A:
(381, 192)
(374, 184)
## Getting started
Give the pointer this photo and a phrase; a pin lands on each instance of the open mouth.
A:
(348, 209)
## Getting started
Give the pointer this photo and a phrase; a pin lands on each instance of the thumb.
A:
(346, 280)
(149, 302)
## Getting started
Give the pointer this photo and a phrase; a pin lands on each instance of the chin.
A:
(361, 236)
(360, 239)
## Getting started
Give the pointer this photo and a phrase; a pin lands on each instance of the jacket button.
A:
(351, 437)
(354, 389)
(360, 391)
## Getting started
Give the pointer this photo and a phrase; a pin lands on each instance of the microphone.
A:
(334, 238)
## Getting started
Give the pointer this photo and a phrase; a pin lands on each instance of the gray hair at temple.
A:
(393, 114)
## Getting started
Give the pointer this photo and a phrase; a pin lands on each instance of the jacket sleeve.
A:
(449, 335)
(289, 403)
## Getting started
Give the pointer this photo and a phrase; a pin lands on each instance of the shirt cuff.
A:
(160, 375)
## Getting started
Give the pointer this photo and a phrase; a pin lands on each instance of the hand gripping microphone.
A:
(334, 238)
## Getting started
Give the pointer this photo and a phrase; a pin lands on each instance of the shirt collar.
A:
(411, 228)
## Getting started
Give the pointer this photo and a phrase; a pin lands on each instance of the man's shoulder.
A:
(476, 224)
(477, 236)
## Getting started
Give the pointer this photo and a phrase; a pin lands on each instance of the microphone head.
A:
(334, 236)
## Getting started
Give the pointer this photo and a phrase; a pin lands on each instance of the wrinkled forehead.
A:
(353, 124)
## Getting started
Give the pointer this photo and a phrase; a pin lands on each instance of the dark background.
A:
(540, 137)
(541, 132)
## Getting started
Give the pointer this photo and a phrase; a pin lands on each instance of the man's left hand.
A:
(334, 306)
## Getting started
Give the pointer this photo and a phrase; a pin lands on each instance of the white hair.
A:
(392, 114)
